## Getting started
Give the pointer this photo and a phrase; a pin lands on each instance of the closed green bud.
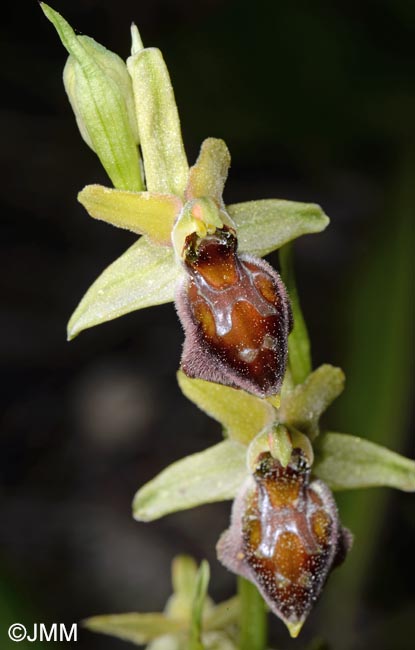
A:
(100, 92)
(112, 66)
(70, 74)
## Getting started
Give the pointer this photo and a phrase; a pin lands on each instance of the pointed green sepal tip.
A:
(134, 627)
(100, 92)
(347, 462)
(265, 225)
(215, 474)
(145, 275)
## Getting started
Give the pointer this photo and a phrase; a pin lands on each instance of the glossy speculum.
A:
(285, 537)
(236, 316)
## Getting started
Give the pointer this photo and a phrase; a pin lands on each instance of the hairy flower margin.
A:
(117, 107)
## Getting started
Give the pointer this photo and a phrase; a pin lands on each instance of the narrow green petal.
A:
(263, 226)
(165, 161)
(212, 475)
(143, 276)
(208, 176)
(242, 415)
(199, 597)
(138, 628)
(346, 462)
(141, 212)
(100, 106)
(304, 405)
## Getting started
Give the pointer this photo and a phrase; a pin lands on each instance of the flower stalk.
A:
(253, 626)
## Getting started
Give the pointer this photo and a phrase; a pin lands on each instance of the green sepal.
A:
(135, 627)
(102, 104)
(303, 406)
(143, 276)
(265, 225)
(208, 175)
(165, 162)
(201, 216)
(347, 462)
(144, 213)
(241, 414)
(208, 476)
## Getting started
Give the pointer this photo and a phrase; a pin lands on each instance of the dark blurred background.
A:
(316, 102)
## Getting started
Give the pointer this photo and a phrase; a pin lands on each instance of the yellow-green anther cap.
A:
(100, 92)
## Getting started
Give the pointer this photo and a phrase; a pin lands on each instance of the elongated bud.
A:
(100, 92)
(285, 537)
(114, 68)
(235, 313)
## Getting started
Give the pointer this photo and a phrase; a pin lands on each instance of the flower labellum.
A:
(235, 313)
(285, 537)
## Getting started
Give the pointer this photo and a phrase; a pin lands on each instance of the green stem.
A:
(253, 617)
(299, 355)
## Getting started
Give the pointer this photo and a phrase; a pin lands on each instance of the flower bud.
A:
(285, 537)
(235, 313)
(100, 92)
(114, 68)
